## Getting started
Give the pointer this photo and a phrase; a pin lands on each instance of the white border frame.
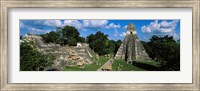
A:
(183, 76)
(7, 4)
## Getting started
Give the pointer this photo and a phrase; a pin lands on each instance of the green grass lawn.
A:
(149, 65)
(89, 67)
(151, 62)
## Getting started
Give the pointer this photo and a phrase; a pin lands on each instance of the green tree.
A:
(117, 45)
(81, 39)
(98, 42)
(31, 59)
(72, 41)
(70, 32)
(52, 37)
(63, 36)
(164, 50)
(111, 46)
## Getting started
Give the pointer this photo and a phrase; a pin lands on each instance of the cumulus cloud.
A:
(153, 26)
(91, 24)
(38, 26)
(94, 23)
(56, 23)
(36, 30)
(169, 24)
(112, 25)
(74, 23)
(166, 30)
(52, 23)
(175, 36)
(122, 34)
(115, 27)
(46, 26)
(99, 25)
(146, 29)
(84, 25)
(161, 28)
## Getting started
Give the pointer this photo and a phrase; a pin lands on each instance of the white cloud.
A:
(162, 28)
(145, 29)
(154, 25)
(115, 27)
(166, 30)
(112, 25)
(33, 29)
(74, 23)
(36, 30)
(122, 34)
(169, 24)
(125, 27)
(52, 23)
(56, 23)
(101, 24)
(94, 23)
(175, 36)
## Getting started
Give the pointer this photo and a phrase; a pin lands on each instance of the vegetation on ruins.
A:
(66, 35)
(99, 41)
(164, 50)
(32, 60)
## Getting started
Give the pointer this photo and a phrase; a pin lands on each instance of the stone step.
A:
(119, 51)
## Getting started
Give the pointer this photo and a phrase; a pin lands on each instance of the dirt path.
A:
(109, 62)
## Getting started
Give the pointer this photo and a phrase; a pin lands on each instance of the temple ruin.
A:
(131, 48)
(65, 56)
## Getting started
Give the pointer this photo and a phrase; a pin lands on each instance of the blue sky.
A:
(115, 29)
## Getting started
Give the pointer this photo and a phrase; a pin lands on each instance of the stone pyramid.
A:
(131, 48)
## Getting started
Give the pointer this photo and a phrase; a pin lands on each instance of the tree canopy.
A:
(66, 35)
(165, 50)
(100, 43)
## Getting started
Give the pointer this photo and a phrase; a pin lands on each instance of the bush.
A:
(32, 60)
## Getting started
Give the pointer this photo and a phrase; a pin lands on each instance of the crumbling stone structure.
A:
(131, 49)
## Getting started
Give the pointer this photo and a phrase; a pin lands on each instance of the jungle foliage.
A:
(66, 35)
(164, 50)
(32, 60)
(100, 43)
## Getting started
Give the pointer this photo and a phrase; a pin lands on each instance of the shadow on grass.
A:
(146, 66)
